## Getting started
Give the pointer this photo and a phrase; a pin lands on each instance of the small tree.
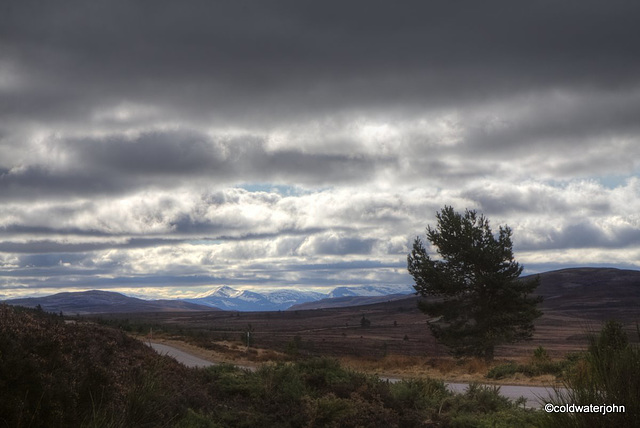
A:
(364, 322)
(479, 300)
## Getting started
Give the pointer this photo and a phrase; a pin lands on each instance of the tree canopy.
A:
(473, 291)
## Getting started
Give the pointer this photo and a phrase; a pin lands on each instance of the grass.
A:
(510, 370)
(460, 370)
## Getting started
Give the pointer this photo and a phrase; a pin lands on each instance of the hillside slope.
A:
(347, 301)
(595, 293)
(54, 374)
(96, 301)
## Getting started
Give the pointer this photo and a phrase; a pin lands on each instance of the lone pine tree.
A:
(475, 296)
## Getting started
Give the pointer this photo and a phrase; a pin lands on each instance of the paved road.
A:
(531, 393)
(181, 356)
(536, 396)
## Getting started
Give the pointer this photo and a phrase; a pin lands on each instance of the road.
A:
(180, 356)
(535, 395)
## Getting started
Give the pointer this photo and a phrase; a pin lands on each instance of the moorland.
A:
(318, 367)
(392, 337)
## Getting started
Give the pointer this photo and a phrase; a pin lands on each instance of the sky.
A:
(165, 148)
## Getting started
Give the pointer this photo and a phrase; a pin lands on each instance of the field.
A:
(394, 339)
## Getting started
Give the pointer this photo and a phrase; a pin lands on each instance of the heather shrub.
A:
(503, 370)
(483, 406)
(419, 393)
(417, 400)
(609, 374)
(540, 356)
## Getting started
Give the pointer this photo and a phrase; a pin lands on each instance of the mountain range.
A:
(595, 292)
(230, 299)
(225, 298)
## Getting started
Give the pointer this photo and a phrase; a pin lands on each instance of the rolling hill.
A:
(96, 301)
(597, 293)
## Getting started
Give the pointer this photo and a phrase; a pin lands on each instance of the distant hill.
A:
(343, 302)
(95, 301)
(597, 293)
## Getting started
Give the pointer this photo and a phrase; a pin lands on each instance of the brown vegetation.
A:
(57, 374)
(395, 328)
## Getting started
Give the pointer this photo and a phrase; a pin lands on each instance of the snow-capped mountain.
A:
(230, 299)
(223, 291)
(292, 297)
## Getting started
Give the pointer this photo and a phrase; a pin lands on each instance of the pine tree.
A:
(475, 296)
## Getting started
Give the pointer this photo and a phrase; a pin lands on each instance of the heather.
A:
(59, 374)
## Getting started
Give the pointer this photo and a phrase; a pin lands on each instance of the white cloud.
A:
(207, 160)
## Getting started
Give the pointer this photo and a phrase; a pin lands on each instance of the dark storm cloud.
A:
(239, 56)
(50, 246)
(219, 232)
(88, 279)
(584, 233)
(559, 123)
(33, 275)
(156, 153)
(119, 164)
(342, 245)
(19, 229)
(43, 181)
(501, 200)
(339, 266)
(267, 64)
(49, 260)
